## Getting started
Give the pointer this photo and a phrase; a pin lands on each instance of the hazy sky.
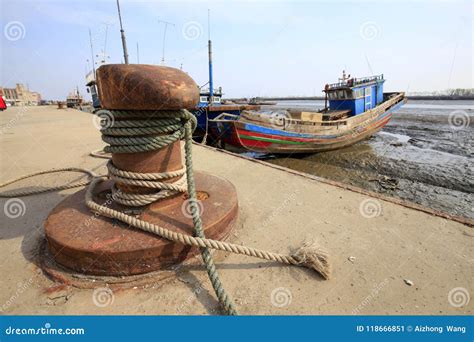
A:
(261, 48)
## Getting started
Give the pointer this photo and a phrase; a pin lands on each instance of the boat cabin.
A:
(92, 89)
(356, 95)
(74, 99)
(205, 101)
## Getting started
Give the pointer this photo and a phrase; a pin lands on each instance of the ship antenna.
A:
(103, 54)
(105, 42)
(209, 24)
(92, 52)
(122, 33)
(368, 64)
(164, 38)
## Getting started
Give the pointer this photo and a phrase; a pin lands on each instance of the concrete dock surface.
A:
(386, 258)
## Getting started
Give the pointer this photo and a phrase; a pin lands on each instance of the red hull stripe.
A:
(254, 143)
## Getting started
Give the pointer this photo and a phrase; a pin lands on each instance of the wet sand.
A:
(421, 156)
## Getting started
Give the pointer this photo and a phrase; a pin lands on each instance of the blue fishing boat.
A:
(358, 108)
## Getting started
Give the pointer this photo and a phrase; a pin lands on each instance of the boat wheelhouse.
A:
(205, 98)
(356, 95)
(92, 89)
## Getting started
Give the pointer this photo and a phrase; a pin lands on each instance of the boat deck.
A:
(372, 257)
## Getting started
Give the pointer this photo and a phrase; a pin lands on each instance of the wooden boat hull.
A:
(326, 136)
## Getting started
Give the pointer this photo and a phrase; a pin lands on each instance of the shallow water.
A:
(423, 155)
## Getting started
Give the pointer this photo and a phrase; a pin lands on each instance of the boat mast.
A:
(105, 42)
(211, 83)
(92, 53)
(138, 55)
(122, 33)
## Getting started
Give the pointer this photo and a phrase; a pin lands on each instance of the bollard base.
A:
(88, 243)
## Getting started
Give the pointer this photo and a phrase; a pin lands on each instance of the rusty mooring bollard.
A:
(144, 87)
(92, 244)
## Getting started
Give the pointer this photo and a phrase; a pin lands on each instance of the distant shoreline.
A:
(313, 98)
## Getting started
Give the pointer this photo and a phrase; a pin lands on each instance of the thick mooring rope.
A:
(11, 194)
(145, 180)
(141, 131)
(303, 257)
(172, 126)
(132, 134)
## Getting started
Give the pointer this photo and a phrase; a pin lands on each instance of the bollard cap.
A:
(145, 87)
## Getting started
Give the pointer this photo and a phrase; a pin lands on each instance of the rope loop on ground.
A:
(11, 194)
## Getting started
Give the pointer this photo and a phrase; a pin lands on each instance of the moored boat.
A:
(259, 101)
(74, 99)
(358, 108)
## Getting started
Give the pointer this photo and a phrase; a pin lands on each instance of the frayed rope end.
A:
(312, 256)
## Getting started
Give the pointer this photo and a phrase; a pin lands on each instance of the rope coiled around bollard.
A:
(133, 134)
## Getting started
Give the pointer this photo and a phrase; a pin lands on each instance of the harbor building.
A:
(20, 96)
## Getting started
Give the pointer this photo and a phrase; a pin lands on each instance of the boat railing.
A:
(393, 100)
(355, 81)
(206, 91)
(225, 117)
